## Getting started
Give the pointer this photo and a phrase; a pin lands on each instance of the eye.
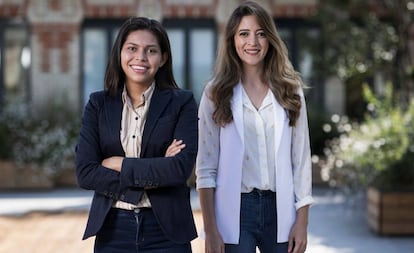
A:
(261, 34)
(243, 34)
(152, 50)
(132, 49)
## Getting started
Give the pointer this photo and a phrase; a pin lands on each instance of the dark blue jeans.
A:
(258, 224)
(135, 232)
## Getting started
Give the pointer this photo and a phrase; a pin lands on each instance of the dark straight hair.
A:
(115, 76)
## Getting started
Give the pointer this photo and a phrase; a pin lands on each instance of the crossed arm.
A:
(115, 162)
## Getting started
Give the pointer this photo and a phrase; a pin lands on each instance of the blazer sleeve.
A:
(90, 174)
(209, 144)
(167, 171)
(301, 158)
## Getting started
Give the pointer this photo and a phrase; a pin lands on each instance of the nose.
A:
(252, 39)
(140, 55)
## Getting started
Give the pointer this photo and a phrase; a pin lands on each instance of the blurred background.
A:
(355, 56)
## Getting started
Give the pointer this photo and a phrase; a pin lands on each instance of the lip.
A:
(252, 51)
(139, 68)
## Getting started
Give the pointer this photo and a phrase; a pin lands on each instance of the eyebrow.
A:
(134, 44)
(248, 30)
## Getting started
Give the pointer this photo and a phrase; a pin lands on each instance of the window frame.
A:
(106, 25)
(316, 93)
(13, 23)
(187, 25)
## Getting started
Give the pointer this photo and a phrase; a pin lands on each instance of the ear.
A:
(164, 59)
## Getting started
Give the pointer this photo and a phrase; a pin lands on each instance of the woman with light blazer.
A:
(253, 166)
(137, 148)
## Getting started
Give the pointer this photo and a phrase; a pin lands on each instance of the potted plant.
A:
(37, 149)
(377, 155)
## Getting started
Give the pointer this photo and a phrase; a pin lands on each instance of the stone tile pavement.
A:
(53, 221)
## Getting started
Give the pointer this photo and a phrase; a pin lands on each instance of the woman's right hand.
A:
(214, 243)
(174, 148)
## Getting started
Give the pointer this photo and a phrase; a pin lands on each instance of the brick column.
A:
(55, 40)
(224, 8)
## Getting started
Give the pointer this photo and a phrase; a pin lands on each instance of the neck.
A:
(252, 77)
(253, 81)
(135, 93)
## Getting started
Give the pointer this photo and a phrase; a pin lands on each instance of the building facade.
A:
(57, 50)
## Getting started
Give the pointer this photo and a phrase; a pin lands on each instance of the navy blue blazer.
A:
(172, 115)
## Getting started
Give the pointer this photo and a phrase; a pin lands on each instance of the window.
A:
(193, 44)
(15, 61)
(193, 47)
(302, 41)
(97, 40)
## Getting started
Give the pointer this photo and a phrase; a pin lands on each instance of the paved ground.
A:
(46, 222)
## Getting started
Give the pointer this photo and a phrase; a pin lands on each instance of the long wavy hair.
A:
(278, 71)
(115, 76)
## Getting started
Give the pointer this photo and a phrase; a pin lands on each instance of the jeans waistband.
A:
(259, 192)
(136, 210)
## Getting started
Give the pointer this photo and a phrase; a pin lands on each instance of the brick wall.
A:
(55, 27)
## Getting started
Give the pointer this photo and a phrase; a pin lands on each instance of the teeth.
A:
(138, 68)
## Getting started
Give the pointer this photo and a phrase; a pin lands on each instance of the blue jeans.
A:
(134, 232)
(258, 224)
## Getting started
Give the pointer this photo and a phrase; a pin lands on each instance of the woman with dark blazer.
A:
(137, 148)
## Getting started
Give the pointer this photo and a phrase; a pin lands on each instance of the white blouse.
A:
(132, 128)
(258, 169)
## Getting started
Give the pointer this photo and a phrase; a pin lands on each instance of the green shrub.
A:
(318, 121)
(379, 150)
(42, 142)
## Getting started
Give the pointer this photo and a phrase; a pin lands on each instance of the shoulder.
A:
(300, 92)
(180, 94)
(300, 87)
(208, 90)
(97, 98)
(97, 95)
(103, 95)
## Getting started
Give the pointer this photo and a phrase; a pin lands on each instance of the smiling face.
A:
(251, 42)
(141, 57)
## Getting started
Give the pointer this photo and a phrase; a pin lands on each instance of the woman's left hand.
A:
(299, 232)
(297, 239)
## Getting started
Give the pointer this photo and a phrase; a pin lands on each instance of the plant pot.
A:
(13, 177)
(390, 212)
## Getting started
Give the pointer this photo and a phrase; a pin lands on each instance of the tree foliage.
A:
(363, 38)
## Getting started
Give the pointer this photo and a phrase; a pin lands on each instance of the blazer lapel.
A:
(160, 99)
(237, 109)
(280, 119)
(113, 114)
